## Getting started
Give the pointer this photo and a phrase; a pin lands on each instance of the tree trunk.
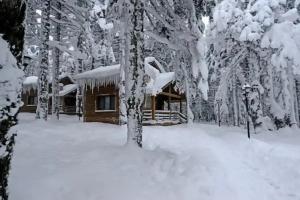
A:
(43, 70)
(124, 62)
(190, 114)
(236, 113)
(135, 72)
(55, 68)
(79, 70)
(292, 100)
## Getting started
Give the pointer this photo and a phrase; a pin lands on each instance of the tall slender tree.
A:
(128, 19)
(42, 110)
(134, 73)
(56, 65)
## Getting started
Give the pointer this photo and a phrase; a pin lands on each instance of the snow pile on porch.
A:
(107, 75)
(67, 89)
(71, 160)
(156, 86)
(30, 82)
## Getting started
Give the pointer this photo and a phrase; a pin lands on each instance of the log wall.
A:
(90, 113)
(26, 107)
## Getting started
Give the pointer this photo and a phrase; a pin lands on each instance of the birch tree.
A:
(42, 110)
(128, 17)
(56, 65)
(134, 73)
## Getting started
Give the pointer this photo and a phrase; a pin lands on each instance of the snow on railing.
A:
(164, 115)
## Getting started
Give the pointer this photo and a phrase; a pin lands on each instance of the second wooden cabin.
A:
(67, 95)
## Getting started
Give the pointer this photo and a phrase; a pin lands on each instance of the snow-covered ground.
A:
(71, 160)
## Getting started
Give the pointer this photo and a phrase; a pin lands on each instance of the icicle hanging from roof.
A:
(30, 83)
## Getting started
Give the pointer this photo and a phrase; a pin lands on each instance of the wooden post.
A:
(153, 107)
(169, 102)
(180, 106)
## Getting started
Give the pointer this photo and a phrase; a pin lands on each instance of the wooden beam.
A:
(170, 95)
(153, 107)
(169, 101)
(180, 106)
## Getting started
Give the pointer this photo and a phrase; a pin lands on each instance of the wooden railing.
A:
(67, 109)
(164, 115)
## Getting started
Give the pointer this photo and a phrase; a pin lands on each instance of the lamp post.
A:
(246, 90)
(219, 103)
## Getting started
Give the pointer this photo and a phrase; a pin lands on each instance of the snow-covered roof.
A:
(107, 72)
(67, 89)
(111, 75)
(30, 80)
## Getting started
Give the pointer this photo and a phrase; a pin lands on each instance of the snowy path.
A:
(86, 161)
(241, 169)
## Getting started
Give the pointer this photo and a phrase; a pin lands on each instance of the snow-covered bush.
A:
(250, 40)
(10, 101)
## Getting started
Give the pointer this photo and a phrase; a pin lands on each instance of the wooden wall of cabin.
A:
(90, 113)
(25, 98)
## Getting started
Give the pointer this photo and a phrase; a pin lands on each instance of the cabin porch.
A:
(166, 108)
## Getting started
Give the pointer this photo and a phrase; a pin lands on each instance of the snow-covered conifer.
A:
(250, 46)
(11, 76)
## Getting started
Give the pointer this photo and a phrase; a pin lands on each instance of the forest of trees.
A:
(215, 48)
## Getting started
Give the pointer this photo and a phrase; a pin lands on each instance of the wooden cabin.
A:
(67, 95)
(163, 105)
(29, 94)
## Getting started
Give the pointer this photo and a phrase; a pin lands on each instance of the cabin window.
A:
(32, 101)
(106, 103)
